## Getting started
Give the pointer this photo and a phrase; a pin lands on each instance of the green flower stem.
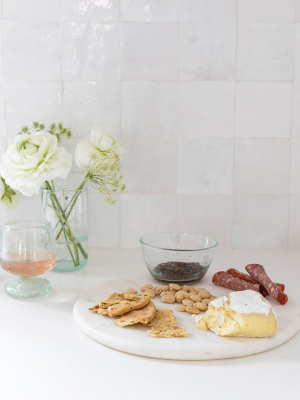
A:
(65, 226)
(72, 204)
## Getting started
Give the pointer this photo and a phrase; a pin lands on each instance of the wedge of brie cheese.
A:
(245, 313)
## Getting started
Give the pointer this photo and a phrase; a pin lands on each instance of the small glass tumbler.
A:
(28, 250)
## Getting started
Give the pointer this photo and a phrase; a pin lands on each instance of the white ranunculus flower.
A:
(99, 143)
(33, 159)
(9, 199)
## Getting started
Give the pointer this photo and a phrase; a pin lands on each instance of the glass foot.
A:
(68, 266)
(28, 288)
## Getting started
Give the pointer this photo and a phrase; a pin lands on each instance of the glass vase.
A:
(66, 209)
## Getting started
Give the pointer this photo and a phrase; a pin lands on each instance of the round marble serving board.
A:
(199, 345)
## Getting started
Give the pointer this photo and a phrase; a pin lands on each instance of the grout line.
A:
(291, 135)
(234, 125)
(61, 66)
(120, 122)
(177, 128)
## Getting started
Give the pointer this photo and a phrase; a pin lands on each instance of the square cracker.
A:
(164, 325)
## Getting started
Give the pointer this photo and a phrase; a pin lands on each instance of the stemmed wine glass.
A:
(28, 250)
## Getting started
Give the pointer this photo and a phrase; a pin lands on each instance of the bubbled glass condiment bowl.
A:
(182, 258)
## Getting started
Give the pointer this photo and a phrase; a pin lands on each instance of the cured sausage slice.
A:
(258, 273)
(231, 282)
(247, 278)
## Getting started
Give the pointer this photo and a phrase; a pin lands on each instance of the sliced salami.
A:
(258, 273)
(231, 282)
(247, 278)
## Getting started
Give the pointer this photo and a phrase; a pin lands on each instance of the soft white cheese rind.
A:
(245, 313)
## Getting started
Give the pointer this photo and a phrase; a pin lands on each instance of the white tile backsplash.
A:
(32, 101)
(295, 111)
(90, 51)
(261, 166)
(143, 214)
(207, 11)
(32, 50)
(2, 110)
(149, 11)
(161, 156)
(90, 10)
(209, 215)
(104, 227)
(149, 109)
(1, 51)
(204, 94)
(265, 51)
(295, 166)
(31, 10)
(266, 11)
(148, 51)
(263, 109)
(207, 51)
(206, 109)
(260, 221)
(294, 231)
(93, 103)
(205, 166)
(297, 52)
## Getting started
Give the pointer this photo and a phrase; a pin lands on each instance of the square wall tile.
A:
(149, 11)
(205, 166)
(29, 208)
(149, 109)
(208, 215)
(31, 10)
(2, 146)
(260, 221)
(207, 11)
(32, 50)
(263, 109)
(43, 104)
(150, 166)
(91, 51)
(207, 51)
(294, 231)
(206, 109)
(149, 51)
(262, 166)
(104, 230)
(143, 214)
(296, 110)
(297, 52)
(1, 51)
(70, 145)
(265, 52)
(2, 110)
(90, 10)
(297, 10)
(295, 167)
(88, 104)
(266, 11)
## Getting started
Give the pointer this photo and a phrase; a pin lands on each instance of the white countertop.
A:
(44, 356)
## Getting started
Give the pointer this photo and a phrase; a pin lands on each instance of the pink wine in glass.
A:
(29, 265)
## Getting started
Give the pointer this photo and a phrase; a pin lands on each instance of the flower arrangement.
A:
(36, 159)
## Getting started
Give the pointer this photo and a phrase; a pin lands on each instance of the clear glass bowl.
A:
(182, 258)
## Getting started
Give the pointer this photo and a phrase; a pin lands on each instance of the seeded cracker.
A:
(164, 325)
(121, 303)
(143, 316)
